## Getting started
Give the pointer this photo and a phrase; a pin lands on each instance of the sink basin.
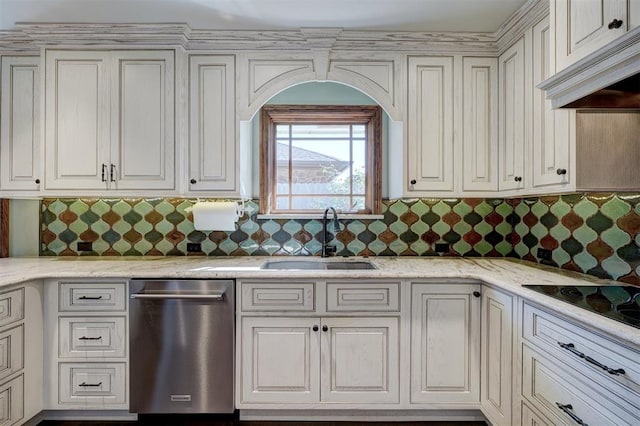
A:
(315, 265)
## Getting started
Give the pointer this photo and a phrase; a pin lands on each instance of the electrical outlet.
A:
(544, 254)
(85, 246)
(442, 247)
(193, 247)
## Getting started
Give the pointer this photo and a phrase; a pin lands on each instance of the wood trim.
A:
(334, 114)
(4, 228)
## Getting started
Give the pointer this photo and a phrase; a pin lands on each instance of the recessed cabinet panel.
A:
(20, 124)
(551, 136)
(11, 398)
(11, 351)
(77, 119)
(91, 337)
(480, 117)
(212, 138)
(512, 116)
(143, 129)
(430, 124)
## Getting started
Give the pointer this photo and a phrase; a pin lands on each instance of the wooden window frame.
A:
(272, 115)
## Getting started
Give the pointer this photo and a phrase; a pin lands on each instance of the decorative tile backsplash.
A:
(594, 233)
(135, 227)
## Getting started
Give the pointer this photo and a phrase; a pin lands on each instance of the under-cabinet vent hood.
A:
(607, 78)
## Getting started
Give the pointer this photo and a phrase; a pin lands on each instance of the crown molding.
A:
(33, 36)
(513, 28)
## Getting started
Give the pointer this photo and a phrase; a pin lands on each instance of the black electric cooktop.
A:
(618, 302)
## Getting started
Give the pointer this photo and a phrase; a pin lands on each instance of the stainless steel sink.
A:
(315, 265)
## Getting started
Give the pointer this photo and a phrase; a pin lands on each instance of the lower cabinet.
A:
(307, 360)
(445, 344)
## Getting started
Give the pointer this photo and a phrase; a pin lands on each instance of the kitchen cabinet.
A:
(445, 344)
(109, 120)
(552, 140)
(86, 325)
(512, 109)
(480, 124)
(581, 27)
(496, 370)
(20, 160)
(295, 358)
(430, 138)
(213, 147)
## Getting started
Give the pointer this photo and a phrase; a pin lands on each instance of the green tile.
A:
(504, 248)
(100, 207)
(441, 228)
(483, 209)
(356, 246)
(164, 227)
(78, 207)
(585, 208)
(504, 209)
(419, 208)
(377, 246)
(615, 208)
(398, 227)
(143, 246)
(441, 208)
(585, 261)
(483, 228)
(615, 237)
(462, 209)
(292, 227)
(560, 232)
(57, 227)
(164, 246)
(615, 266)
(560, 257)
(462, 228)
(461, 247)
(377, 227)
(560, 208)
(539, 231)
(121, 246)
(142, 227)
(585, 235)
(121, 227)
(398, 208)
(78, 226)
(398, 246)
(419, 246)
(164, 208)
(539, 209)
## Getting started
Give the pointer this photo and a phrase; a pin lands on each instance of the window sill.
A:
(319, 216)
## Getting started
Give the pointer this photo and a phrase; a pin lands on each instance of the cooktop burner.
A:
(618, 302)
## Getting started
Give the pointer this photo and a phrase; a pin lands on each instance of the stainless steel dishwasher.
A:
(181, 343)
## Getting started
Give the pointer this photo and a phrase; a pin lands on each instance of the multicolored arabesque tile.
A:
(597, 233)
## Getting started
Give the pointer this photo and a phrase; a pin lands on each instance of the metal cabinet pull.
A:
(566, 408)
(90, 385)
(561, 172)
(89, 338)
(615, 24)
(163, 296)
(571, 348)
(89, 297)
(112, 173)
(104, 173)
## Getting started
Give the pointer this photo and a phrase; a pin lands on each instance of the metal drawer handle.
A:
(571, 348)
(567, 410)
(160, 296)
(90, 385)
(89, 297)
(89, 338)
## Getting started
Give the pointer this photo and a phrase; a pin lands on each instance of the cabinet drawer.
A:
(92, 384)
(92, 337)
(370, 296)
(549, 332)
(530, 418)
(290, 296)
(547, 386)
(11, 401)
(11, 351)
(11, 306)
(95, 297)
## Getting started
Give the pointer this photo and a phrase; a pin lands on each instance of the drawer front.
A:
(290, 296)
(92, 337)
(11, 306)
(11, 351)
(11, 401)
(92, 297)
(92, 384)
(530, 418)
(566, 341)
(370, 296)
(548, 386)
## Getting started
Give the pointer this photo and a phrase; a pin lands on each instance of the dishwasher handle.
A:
(178, 296)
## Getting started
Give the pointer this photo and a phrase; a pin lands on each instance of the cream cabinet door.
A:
(583, 26)
(480, 118)
(512, 116)
(430, 125)
(280, 360)
(551, 136)
(142, 120)
(77, 93)
(497, 345)
(445, 343)
(360, 360)
(212, 117)
(20, 167)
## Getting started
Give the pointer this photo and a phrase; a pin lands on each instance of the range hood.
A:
(607, 78)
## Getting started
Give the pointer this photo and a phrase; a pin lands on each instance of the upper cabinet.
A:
(109, 120)
(584, 26)
(429, 162)
(213, 149)
(20, 162)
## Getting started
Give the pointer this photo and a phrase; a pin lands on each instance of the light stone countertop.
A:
(507, 274)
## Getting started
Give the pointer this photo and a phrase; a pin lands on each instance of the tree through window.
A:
(313, 157)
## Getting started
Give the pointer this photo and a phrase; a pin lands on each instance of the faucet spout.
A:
(327, 249)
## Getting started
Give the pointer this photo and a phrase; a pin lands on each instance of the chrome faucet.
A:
(327, 249)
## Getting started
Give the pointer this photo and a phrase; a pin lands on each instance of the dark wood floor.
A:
(233, 421)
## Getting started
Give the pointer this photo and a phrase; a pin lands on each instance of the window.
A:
(313, 157)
